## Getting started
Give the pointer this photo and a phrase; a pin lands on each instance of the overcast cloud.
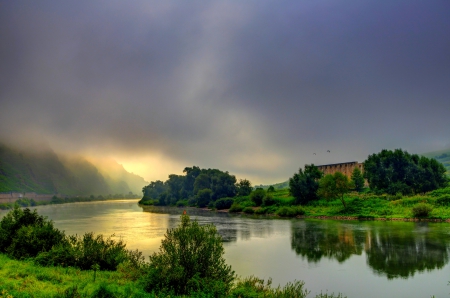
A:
(251, 87)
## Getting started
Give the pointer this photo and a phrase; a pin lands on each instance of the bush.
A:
(236, 207)
(190, 260)
(421, 210)
(24, 234)
(248, 210)
(89, 250)
(290, 211)
(254, 287)
(257, 196)
(268, 200)
(443, 200)
(224, 203)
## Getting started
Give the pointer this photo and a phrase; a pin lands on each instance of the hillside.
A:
(46, 172)
(442, 156)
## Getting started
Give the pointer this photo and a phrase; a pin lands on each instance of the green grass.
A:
(24, 279)
(359, 205)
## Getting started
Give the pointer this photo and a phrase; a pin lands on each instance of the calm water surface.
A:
(358, 259)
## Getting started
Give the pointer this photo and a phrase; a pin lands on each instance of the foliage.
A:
(190, 260)
(244, 187)
(399, 171)
(255, 287)
(358, 179)
(236, 207)
(290, 211)
(89, 250)
(421, 210)
(204, 197)
(188, 187)
(268, 200)
(224, 203)
(304, 184)
(248, 210)
(443, 200)
(257, 196)
(334, 187)
(271, 189)
(23, 234)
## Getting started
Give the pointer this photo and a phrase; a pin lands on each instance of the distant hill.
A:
(281, 185)
(46, 172)
(442, 156)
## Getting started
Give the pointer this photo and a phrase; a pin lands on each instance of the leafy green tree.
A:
(202, 181)
(190, 260)
(244, 187)
(400, 172)
(303, 185)
(271, 189)
(204, 197)
(358, 179)
(257, 196)
(334, 187)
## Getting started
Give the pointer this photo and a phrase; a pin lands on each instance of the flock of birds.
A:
(327, 151)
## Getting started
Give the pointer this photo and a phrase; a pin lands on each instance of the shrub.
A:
(23, 234)
(248, 210)
(182, 203)
(224, 203)
(236, 207)
(190, 260)
(421, 210)
(261, 210)
(257, 196)
(89, 250)
(443, 200)
(290, 211)
(254, 287)
(268, 200)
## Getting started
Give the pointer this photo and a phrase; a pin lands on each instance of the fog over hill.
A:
(44, 171)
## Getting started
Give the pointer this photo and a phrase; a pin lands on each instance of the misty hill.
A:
(46, 172)
(442, 156)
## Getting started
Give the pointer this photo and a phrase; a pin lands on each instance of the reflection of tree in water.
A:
(314, 240)
(392, 249)
(402, 251)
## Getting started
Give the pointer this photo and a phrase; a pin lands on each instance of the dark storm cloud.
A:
(252, 87)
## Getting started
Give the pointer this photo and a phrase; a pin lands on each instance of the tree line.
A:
(391, 172)
(197, 187)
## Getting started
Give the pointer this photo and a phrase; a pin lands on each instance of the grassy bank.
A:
(359, 205)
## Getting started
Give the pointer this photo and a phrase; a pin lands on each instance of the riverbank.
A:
(25, 202)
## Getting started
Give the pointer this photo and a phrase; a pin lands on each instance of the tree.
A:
(190, 260)
(398, 171)
(304, 184)
(358, 179)
(204, 197)
(334, 187)
(244, 187)
(257, 196)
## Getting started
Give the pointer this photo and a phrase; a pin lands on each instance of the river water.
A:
(358, 259)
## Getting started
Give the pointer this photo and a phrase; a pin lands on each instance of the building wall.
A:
(345, 168)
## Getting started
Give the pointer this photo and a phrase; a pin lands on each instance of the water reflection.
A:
(392, 249)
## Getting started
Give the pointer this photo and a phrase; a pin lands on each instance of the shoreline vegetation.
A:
(391, 185)
(38, 260)
(26, 202)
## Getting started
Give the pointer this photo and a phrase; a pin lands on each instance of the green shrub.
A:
(254, 287)
(262, 210)
(421, 210)
(290, 211)
(257, 196)
(89, 250)
(224, 203)
(236, 207)
(190, 260)
(443, 200)
(268, 200)
(248, 210)
(23, 234)
(182, 203)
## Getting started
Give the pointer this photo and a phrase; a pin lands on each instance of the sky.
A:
(255, 88)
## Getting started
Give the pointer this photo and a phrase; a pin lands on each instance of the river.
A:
(358, 259)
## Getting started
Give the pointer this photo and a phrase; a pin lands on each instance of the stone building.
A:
(345, 168)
